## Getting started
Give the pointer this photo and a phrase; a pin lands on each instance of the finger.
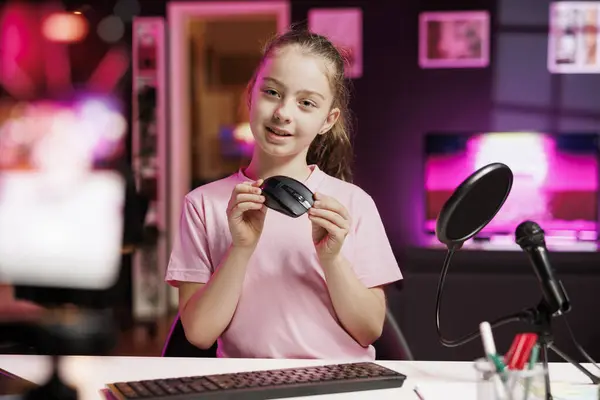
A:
(246, 187)
(329, 203)
(241, 208)
(326, 202)
(330, 216)
(250, 197)
(327, 225)
(258, 182)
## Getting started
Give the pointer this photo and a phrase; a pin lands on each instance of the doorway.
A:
(224, 54)
(213, 50)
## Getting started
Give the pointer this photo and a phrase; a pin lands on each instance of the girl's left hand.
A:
(330, 225)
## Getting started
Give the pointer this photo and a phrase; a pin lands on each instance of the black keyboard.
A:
(268, 384)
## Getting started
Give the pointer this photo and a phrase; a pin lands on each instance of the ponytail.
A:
(332, 151)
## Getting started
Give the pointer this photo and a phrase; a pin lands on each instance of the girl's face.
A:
(291, 103)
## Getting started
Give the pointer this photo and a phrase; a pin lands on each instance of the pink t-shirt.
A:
(284, 310)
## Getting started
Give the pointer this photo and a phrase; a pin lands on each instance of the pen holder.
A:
(527, 384)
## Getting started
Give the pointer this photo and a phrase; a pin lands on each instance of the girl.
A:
(266, 285)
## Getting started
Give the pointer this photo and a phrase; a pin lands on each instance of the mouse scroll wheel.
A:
(305, 203)
(298, 197)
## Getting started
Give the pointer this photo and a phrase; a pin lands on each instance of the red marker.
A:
(519, 351)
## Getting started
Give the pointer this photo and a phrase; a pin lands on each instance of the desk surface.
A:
(90, 374)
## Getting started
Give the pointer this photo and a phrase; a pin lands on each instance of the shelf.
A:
(150, 293)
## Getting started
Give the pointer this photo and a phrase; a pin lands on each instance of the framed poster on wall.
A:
(454, 39)
(343, 26)
(573, 37)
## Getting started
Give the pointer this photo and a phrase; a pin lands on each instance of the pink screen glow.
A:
(555, 177)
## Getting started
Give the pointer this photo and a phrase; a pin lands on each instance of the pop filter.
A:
(473, 204)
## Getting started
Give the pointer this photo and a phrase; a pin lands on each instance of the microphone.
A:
(530, 237)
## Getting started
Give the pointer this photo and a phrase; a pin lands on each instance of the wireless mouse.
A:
(287, 195)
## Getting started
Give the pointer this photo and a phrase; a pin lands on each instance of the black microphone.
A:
(530, 237)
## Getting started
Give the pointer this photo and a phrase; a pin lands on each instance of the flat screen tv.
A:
(555, 178)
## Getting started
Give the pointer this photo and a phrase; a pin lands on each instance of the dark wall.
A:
(486, 285)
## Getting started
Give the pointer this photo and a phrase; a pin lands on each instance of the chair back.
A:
(177, 344)
(392, 344)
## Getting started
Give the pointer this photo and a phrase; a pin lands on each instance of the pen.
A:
(418, 393)
(489, 346)
(532, 361)
(520, 350)
(535, 352)
(499, 365)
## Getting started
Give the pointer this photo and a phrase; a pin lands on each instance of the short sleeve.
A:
(190, 261)
(374, 261)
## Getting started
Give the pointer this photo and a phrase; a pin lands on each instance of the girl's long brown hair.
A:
(331, 151)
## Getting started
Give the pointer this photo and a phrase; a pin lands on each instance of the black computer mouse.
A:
(287, 195)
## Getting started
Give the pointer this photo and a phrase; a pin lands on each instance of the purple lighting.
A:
(555, 178)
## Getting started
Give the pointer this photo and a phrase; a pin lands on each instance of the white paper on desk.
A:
(468, 391)
(572, 391)
(448, 390)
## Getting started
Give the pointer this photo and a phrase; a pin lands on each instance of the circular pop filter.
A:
(473, 204)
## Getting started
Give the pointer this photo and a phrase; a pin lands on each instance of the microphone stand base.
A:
(541, 319)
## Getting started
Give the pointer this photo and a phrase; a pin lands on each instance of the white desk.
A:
(90, 374)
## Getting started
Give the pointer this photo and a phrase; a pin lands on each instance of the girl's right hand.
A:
(246, 214)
